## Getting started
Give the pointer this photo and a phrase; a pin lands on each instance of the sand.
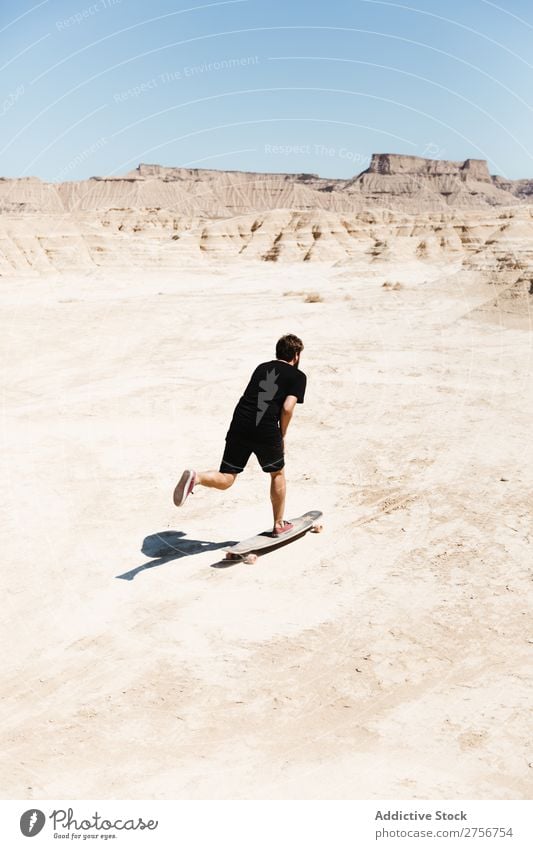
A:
(387, 657)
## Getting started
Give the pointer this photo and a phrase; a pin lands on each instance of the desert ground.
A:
(387, 657)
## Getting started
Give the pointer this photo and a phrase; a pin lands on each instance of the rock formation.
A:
(400, 207)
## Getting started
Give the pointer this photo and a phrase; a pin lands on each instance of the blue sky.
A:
(96, 87)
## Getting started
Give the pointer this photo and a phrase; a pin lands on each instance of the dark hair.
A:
(288, 346)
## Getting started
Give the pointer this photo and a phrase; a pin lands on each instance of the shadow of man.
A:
(170, 545)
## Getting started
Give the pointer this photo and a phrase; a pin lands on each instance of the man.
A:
(259, 426)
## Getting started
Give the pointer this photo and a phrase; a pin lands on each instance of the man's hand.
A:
(286, 414)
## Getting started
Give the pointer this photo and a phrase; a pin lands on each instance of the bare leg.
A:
(277, 494)
(218, 480)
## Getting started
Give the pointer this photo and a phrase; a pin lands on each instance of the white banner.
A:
(267, 824)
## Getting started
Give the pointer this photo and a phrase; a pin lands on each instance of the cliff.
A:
(165, 217)
(395, 164)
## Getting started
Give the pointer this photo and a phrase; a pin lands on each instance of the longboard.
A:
(247, 548)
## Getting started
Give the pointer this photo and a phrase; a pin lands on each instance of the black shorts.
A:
(238, 450)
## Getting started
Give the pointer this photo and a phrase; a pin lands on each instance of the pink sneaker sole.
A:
(287, 526)
(184, 487)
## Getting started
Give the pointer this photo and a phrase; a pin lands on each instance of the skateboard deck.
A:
(247, 548)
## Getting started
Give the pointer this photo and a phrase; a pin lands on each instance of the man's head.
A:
(288, 348)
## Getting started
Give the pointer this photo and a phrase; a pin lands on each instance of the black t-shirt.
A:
(256, 416)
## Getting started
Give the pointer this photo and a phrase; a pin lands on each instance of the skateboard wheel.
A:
(250, 559)
(317, 528)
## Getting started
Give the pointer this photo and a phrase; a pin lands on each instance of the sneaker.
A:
(184, 487)
(281, 528)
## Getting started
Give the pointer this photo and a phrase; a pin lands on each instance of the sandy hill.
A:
(400, 207)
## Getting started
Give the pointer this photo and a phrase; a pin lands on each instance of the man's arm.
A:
(286, 413)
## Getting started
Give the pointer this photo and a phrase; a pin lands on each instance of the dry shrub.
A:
(313, 298)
